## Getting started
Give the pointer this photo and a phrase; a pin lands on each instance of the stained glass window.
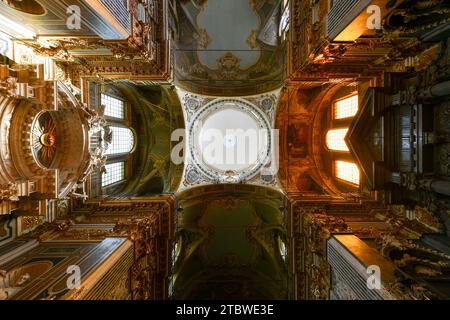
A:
(115, 172)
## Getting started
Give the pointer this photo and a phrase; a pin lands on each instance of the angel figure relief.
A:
(12, 282)
(98, 125)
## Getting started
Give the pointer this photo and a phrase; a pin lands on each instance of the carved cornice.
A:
(148, 224)
(310, 52)
(145, 55)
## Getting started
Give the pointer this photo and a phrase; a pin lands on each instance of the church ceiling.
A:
(336, 128)
(231, 237)
(238, 49)
(301, 121)
(157, 113)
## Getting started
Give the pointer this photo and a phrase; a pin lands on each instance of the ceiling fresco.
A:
(243, 25)
(155, 114)
(231, 244)
(247, 59)
(303, 119)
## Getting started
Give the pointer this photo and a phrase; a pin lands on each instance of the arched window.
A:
(343, 110)
(335, 139)
(347, 171)
(121, 138)
(122, 141)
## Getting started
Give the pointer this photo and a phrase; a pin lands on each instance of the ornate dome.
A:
(229, 140)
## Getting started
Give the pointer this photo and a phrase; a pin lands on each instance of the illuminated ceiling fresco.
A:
(246, 59)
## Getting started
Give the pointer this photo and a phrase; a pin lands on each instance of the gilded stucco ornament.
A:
(11, 282)
(97, 125)
(229, 66)
(9, 192)
(251, 40)
(204, 39)
(8, 87)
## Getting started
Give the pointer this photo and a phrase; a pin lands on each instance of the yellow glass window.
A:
(335, 139)
(347, 171)
(346, 108)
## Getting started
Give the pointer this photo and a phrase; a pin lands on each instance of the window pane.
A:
(113, 107)
(115, 172)
(347, 171)
(284, 23)
(346, 108)
(122, 141)
(335, 140)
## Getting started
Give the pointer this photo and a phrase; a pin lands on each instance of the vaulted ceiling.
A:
(155, 114)
(231, 242)
(236, 52)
